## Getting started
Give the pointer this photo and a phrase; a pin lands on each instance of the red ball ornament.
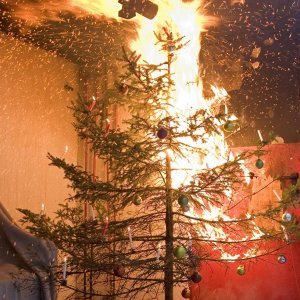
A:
(196, 277)
(119, 270)
(123, 88)
(185, 208)
(186, 293)
(162, 133)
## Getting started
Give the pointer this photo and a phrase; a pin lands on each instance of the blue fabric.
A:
(26, 263)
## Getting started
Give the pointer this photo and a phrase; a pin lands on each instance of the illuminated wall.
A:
(35, 89)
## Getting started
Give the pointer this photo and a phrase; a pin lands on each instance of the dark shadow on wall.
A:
(254, 54)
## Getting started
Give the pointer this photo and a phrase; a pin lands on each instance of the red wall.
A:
(265, 279)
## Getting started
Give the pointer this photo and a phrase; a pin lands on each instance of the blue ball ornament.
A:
(281, 259)
(287, 217)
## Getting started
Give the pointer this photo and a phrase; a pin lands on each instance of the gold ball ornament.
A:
(186, 293)
(179, 252)
(137, 200)
(230, 126)
(241, 270)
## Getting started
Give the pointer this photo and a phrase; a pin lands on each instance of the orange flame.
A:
(187, 97)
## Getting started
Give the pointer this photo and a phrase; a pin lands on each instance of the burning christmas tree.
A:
(167, 205)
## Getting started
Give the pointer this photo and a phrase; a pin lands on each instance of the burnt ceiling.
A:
(89, 40)
(81, 38)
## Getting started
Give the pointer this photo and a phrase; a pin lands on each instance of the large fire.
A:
(188, 21)
(185, 19)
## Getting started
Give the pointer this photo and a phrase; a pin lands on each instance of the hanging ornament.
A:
(281, 259)
(92, 213)
(179, 252)
(107, 126)
(277, 196)
(63, 282)
(185, 208)
(168, 33)
(286, 236)
(171, 48)
(130, 237)
(183, 200)
(64, 272)
(260, 137)
(229, 126)
(196, 277)
(123, 89)
(186, 293)
(190, 244)
(158, 252)
(136, 59)
(92, 104)
(162, 133)
(42, 213)
(241, 270)
(259, 163)
(137, 200)
(119, 270)
(105, 226)
(251, 175)
(133, 62)
(287, 217)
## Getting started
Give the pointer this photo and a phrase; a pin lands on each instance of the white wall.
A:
(34, 120)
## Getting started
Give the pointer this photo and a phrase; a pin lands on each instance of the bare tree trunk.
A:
(168, 278)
